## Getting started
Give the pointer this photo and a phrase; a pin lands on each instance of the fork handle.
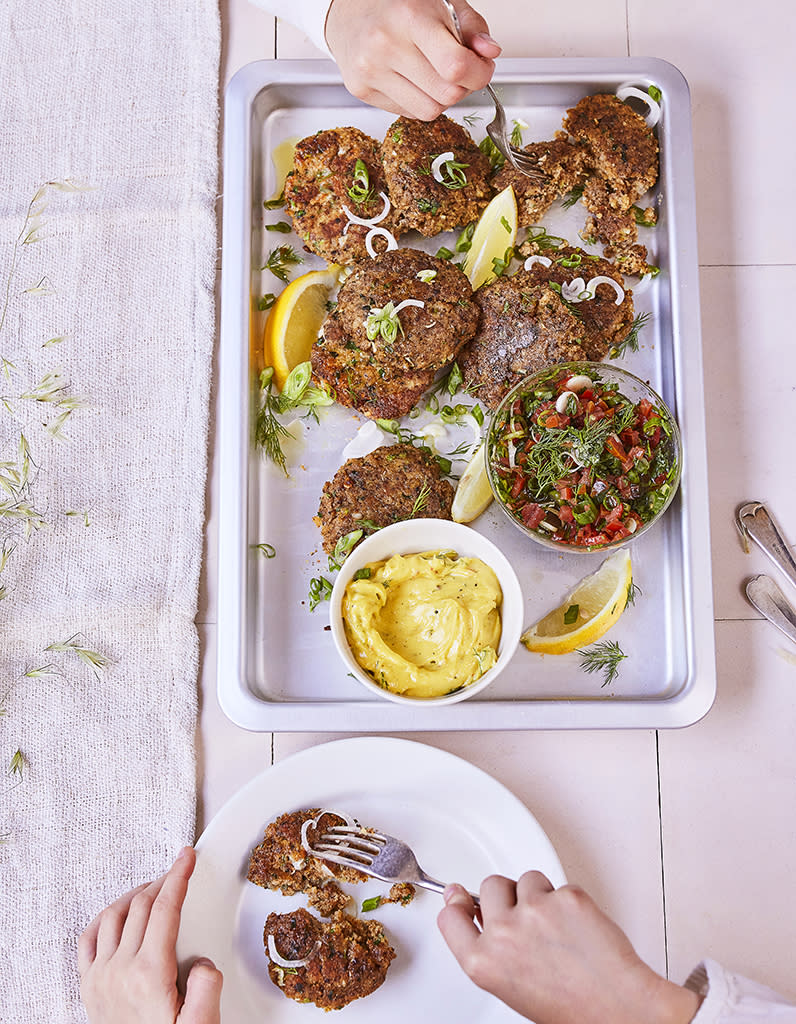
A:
(431, 883)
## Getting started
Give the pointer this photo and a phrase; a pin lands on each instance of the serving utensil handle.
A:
(754, 520)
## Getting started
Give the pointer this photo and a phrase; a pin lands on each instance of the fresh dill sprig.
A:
(421, 502)
(572, 197)
(471, 120)
(280, 259)
(630, 341)
(297, 393)
(633, 591)
(516, 133)
(603, 657)
(96, 661)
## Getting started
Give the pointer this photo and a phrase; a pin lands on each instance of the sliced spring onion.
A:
(281, 961)
(532, 260)
(382, 233)
(653, 114)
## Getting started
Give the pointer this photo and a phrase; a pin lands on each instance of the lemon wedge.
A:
(495, 231)
(295, 319)
(593, 607)
(473, 493)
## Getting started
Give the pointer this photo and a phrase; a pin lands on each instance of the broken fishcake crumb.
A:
(281, 862)
(563, 164)
(347, 958)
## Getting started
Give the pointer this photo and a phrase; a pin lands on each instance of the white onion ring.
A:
(591, 288)
(544, 260)
(572, 291)
(314, 821)
(473, 424)
(643, 285)
(277, 958)
(382, 233)
(436, 165)
(370, 222)
(409, 302)
(512, 448)
(653, 114)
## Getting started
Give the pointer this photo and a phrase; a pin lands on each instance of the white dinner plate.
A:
(461, 823)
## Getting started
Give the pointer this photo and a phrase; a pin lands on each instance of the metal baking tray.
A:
(277, 668)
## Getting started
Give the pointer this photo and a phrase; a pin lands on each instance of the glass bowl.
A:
(588, 487)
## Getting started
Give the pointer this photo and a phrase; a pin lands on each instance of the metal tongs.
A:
(753, 520)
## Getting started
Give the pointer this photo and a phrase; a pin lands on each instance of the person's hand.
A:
(128, 964)
(401, 55)
(554, 957)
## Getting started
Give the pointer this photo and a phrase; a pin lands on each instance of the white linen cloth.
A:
(122, 97)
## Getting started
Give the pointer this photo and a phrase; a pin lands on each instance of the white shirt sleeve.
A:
(307, 15)
(730, 999)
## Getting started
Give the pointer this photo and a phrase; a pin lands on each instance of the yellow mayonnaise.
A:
(424, 625)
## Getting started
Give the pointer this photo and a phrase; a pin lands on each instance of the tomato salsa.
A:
(576, 461)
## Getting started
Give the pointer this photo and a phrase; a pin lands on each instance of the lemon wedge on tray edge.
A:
(598, 599)
(295, 319)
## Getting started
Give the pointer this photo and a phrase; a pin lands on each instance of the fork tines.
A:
(351, 843)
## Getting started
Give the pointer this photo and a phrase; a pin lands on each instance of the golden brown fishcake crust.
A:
(420, 201)
(317, 189)
(379, 489)
(384, 379)
(630, 259)
(603, 323)
(622, 149)
(281, 862)
(350, 962)
(524, 327)
(563, 163)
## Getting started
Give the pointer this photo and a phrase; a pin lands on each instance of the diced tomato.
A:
(614, 447)
(586, 394)
(517, 486)
(566, 515)
(532, 514)
(645, 408)
(616, 513)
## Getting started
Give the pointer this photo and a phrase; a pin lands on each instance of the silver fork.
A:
(496, 129)
(381, 856)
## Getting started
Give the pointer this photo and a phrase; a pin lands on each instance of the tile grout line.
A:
(663, 868)
(627, 26)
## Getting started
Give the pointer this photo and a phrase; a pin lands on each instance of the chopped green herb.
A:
(444, 254)
(275, 204)
(421, 502)
(364, 573)
(537, 234)
(266, 550)
(372, 904)
(266, 301)
(465, 240)
(655, 93)
(516, 134)
(489, 149)
(427, 205)
(571, 614)
(633, 592)
(343, 548)
(471, 120)
(320, 590)
(360, 190)
(499, 265)
(641, 217)
(281, 226)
